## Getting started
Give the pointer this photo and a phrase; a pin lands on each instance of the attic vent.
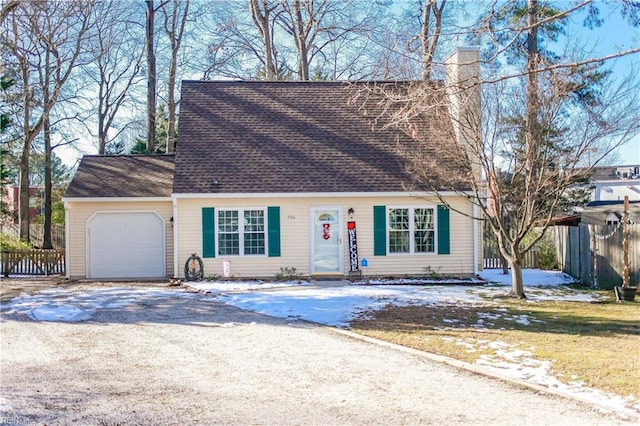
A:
(215, 185)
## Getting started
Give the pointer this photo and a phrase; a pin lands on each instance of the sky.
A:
(337, 304)
(615, 35)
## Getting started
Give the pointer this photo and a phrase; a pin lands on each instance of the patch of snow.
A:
(61, 312)
(223, 286)
(69, 306)
(530, 277)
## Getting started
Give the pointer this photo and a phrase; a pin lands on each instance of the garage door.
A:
(126, 245)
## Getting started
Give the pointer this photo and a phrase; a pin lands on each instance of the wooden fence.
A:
(593, 253)
(491, 253)
(36, 233)
(32, 262)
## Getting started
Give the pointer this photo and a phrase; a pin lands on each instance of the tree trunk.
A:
(262, 22)
(517, 286)
(151, 75)
(23, 205)
(303, 60)
(175, 34)
(102, 138)
(46, 242)
(429, 35)
(532, 135)
(504, 264)
(102, 132)
(268, 53)
(171, 101)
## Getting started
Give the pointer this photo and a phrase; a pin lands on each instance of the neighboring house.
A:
(609, 212)
(609, 187)
(615, 182)
(270, 175)
(10, 202)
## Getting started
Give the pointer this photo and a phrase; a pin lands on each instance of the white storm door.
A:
(326, 241)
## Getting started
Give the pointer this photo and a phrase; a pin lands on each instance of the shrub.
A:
(10, 243)
(288, 274)
(545, 250)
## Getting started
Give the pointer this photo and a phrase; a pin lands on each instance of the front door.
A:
(326, 241)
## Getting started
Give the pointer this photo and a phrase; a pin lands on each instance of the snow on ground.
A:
(69, 306)
(336, 305)
(220, 286)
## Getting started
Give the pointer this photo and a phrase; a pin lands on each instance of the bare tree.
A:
(318, 26)
(415, 37)
(152, 75)
(35, 30)
(431, 28)
(115, 70)
(296, 39)
(7, 8)
(262, 12)
(174, 26)
(515, 153)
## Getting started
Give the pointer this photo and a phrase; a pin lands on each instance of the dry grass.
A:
(594, 343)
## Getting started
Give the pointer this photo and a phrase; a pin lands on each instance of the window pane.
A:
(254, 243)
(399, 231)
(399, 241)
(423, 218)
(254, 221)
(424, 235)
(229, 244)
(254, 238)
(399, 219)
(228, 221)
(228, 236)
(424, 242)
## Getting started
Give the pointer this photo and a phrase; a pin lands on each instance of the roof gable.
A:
(279, 137)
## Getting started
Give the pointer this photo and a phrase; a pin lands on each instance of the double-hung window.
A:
(241, 232)
(411, 230)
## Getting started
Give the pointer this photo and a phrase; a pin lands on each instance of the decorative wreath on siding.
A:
(193, 268)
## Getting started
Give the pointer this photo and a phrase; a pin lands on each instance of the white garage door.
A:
(125, 245)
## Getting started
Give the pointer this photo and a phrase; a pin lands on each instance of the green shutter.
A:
(208, 232)
(444, 241)
(273, 223)
(379, 230)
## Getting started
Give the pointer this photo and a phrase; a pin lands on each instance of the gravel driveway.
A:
(196, 361)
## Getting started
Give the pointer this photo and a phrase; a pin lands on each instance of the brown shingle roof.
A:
(276, 137)
(123, 176)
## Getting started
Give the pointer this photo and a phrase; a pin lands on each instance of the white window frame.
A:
(241, 231)
(412, 230)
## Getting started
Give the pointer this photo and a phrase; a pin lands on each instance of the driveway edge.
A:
(624, 414)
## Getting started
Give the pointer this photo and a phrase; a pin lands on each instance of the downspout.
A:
(66, 240)
(475, 240)
(175, 238)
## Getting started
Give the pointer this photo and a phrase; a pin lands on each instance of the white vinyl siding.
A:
(295, 236)
(80, 212)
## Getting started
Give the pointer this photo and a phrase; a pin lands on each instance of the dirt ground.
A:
(12, 287)
(15, 286)
(193, 360)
